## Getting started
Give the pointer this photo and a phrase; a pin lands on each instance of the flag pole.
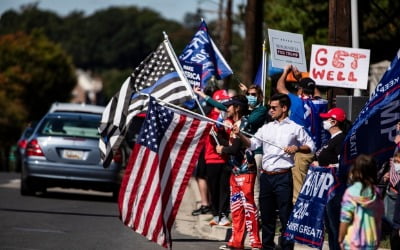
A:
(178, 66)
(263, 72)
(210, 120)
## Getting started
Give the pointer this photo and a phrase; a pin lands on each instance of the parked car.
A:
(21, 145)
(63, 152)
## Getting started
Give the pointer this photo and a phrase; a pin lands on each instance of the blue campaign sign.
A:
(374, 129)
(306, 223)
(192, 72)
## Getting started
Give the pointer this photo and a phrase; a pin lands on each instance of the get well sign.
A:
(339, 66)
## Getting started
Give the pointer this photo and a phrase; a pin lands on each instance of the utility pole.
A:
(227, 35)
(339, 34)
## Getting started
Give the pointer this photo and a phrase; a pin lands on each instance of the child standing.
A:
(362, 207)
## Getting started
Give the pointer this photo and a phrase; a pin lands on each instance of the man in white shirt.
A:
(280, 139)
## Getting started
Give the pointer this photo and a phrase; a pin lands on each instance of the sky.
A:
(170, 9)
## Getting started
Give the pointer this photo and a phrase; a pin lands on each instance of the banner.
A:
(374, 129)
(306, 223)
(193, 73)
(287, 48)
(339, 66)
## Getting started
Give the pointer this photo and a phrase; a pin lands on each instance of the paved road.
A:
(71, 219)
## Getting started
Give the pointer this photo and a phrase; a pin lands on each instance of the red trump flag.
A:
(158, 171)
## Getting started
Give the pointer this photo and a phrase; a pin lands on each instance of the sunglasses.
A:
(253, 94)
(273, 107)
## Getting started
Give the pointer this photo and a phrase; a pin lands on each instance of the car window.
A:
(70, 127)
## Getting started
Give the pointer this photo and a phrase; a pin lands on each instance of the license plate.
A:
(72, 154)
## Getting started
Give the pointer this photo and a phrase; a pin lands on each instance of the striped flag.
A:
(394, 177)
(159, 170)
(158, 75)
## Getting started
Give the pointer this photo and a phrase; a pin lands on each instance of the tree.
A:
(253, 39)
(34, 72)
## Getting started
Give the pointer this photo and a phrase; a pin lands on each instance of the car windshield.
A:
(79, 126)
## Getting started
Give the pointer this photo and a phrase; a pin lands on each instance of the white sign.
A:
(287, 48)
(339, 66)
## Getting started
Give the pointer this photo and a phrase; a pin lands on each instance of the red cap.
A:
(220, 95)
(335, 113)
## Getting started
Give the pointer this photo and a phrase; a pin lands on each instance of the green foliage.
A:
(34, 72)
(300, 16)
(379, 23)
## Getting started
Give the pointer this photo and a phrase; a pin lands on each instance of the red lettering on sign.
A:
(356, 56)
(321, 61)
(338, 57)
(351, 77)
(329, 75)
(340, 76)
(317, 74)
(332, 75)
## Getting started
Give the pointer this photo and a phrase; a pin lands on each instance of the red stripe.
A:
(146, 192)
(137, 175)
(127, 174)
(155, 199)
(177, 166)
(165, 155)
(163, 162)
(188, 173)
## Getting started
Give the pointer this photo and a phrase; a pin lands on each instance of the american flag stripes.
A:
(394, 177)
(156, 75)
(158, 171)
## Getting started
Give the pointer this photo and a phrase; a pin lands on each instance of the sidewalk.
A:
(198, 225)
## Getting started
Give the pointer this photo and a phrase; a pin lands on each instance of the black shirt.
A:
(328, 154)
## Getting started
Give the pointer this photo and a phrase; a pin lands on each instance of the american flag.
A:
(159, 168)
(156, 75)
(394, 177)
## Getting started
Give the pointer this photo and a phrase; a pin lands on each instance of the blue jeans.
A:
(276, 192)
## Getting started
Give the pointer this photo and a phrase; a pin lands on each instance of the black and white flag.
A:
(158, 76)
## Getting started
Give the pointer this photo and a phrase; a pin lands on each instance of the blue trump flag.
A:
(202, 51)
(374, 129)
(306, 222)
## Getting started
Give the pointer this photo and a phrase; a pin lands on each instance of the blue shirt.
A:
(305, 112)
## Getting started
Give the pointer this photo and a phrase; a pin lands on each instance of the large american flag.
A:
(159, 168)
(157, 75)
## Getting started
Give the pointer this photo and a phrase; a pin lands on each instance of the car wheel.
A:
(26, 188)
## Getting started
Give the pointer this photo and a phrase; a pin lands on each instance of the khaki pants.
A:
(258, 159)
(299, 172)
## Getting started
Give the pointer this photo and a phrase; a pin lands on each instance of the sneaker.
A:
(227, 247)
(201, 210)
(214, 221)
(224, 221)
(224, 247)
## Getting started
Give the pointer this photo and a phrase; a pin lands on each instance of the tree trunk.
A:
(253, 39)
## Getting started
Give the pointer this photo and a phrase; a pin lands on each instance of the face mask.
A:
(397, 167)
(327, 124)
(252, 100)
